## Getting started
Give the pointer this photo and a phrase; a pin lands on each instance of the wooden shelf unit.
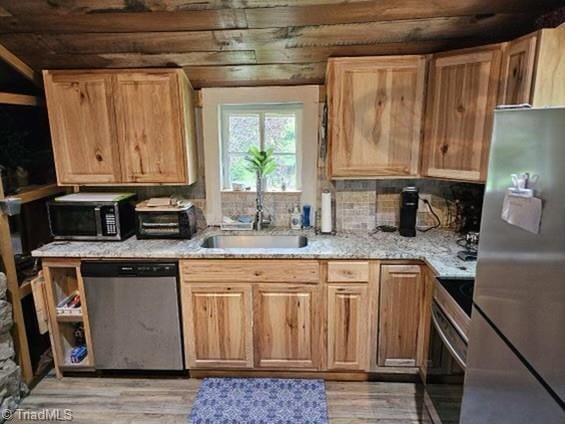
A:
(15, 292)
(20, 99)
(62, 278)
(69, 318)
(36, 192)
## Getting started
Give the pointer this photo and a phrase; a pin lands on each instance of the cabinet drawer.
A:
(342, 272)
(242, 270)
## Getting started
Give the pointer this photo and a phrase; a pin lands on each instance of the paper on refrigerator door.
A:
(523, 212)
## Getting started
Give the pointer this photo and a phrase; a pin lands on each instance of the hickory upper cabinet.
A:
(122, 126)
(461, 96)
(532, 72)
(375, 107)
(83, 127)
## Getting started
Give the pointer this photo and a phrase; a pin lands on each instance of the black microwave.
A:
(92, 216)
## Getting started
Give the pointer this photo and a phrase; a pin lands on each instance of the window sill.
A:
(227, 191)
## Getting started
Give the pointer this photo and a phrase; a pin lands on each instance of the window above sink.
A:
(286, 118)
(276, 126)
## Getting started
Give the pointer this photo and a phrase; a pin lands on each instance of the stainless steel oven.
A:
(451, 308)
(451, 315)
(92, 216)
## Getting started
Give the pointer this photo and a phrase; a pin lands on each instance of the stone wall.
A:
(11, 386)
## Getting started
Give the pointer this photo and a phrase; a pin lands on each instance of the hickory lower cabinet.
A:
(287, 326)
(262, 314)
(400, 311)
(349, 315)
(218, 325)
(297, 316)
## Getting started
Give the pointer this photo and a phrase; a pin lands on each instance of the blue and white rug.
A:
(260, 401)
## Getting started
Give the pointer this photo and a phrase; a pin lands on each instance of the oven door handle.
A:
(444, 339)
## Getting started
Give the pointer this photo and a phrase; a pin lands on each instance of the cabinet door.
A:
(400, 309)
(425, 323)
(549, 78)
(287, 326)
(83, 128)
(150, 133)
(461, 99)
(218, 325)
(516, 79)
(375, 115)
(348, 327)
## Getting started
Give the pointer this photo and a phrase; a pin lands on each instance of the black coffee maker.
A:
(408, 211)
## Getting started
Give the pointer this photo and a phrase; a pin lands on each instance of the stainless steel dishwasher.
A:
(134, 315)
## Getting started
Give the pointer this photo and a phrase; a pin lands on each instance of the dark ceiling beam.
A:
(413, 30)
(31, 16)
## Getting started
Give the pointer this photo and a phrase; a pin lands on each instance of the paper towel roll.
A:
(326, 218)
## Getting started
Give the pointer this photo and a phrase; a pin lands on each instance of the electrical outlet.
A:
(421, 205)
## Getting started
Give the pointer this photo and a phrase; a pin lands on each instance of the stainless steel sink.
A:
(255, 242)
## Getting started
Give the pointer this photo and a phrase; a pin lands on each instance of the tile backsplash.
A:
(276, 205)
(360, 205)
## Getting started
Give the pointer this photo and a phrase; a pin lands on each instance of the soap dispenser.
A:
(296, 218)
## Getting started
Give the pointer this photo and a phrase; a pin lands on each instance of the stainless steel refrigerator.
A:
(516, 358)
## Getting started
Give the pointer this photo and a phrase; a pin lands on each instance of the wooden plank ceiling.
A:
(250, 42)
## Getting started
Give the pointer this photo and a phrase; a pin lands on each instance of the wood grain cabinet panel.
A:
(345, 271)
(375, 115)
(425, 324)
(81, 116)
(287, 326)
(400, 309)
(218, 325)
(122, 126)
(150, 127)
(516, 78)
(348, 326)
(532, 71)
(251, 270)
(461, 97)
(549, 74)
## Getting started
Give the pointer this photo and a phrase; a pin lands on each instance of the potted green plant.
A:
(262, 163)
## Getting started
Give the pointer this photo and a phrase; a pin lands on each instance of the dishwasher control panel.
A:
(129, 269)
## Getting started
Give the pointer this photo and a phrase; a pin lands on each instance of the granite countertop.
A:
(438, 248)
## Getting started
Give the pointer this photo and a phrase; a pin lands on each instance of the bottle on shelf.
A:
(296, 218)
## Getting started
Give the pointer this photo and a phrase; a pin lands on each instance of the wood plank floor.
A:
(168, 400)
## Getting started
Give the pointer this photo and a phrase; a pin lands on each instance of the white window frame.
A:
(261, 109)
(214, 98)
